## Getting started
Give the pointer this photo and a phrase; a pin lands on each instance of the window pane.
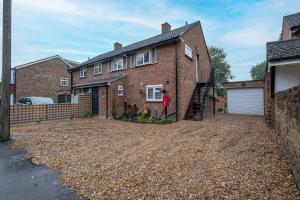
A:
(115, 67)
(150, 93)
(146, 57)
(158, 93)
(140, 60)
(120, 64)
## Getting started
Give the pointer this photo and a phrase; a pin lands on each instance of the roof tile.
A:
(144, 43)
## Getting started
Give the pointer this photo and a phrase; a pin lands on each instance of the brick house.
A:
(282, 83)
(48, 77)
(175, 61)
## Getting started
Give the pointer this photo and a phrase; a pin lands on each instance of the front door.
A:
(197, 68)
(95, 101)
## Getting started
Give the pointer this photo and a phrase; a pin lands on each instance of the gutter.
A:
(106, 86)
(176, 79)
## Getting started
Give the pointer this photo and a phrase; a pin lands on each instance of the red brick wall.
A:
(286, 32)
(187, 67)
(42, 79)
(269, 102)
(160, 73)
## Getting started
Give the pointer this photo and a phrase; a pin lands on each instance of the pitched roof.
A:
(169, 36)
(283, 50)
(292, 20)
(99, 81)
(70, 63)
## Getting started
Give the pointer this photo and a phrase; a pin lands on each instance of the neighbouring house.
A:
(290, 27)
(282, 89)
(174, 63)
(48, 77)
(244, 97)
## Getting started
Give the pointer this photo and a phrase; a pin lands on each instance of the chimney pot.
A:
(117, 46)
(166, 27)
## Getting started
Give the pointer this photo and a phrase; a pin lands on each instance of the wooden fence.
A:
(37, 113)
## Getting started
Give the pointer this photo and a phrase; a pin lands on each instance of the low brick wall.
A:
(36, 113)
(287, 122)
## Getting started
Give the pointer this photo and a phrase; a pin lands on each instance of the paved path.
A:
(20, 179)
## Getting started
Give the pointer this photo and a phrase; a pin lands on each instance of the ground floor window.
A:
(120, 90)
(64, 98)
(154, 93)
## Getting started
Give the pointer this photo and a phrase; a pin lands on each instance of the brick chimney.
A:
(166, 27)
(117, 46)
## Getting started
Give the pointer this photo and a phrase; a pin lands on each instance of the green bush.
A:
(142, 117)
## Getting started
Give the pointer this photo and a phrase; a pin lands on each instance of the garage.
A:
(245, 97)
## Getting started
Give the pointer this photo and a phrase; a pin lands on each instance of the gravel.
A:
(226, 157)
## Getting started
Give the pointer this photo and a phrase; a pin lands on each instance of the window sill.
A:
(154, 101)
(82, 76)
(118, 70)
(143, 65)
(97, 74)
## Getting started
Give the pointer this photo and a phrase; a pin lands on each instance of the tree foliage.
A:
(222, 68)
(258, 71)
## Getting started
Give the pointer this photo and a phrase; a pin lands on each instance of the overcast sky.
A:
(78, 29)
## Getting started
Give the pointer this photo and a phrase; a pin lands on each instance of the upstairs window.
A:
(154, 93)
(97, 69)
(143, 58)
(118, 64)
(64, 81)
(120, 90)
(83, 72)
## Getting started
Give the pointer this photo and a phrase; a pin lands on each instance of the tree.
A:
(258, 71)
(222, 68)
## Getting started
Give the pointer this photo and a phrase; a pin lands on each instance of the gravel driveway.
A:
(227, 157)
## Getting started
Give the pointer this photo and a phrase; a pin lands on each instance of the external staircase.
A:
(199, 98)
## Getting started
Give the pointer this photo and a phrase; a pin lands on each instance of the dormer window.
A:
(143, 58)
(83, 72)
(118, 64)
(97, 69)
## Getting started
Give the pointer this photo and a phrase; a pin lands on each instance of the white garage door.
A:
(247, 101)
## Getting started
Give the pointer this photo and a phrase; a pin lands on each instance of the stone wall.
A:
(287, 122)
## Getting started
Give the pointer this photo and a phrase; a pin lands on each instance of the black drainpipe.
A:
(106, 86)
(176, 78)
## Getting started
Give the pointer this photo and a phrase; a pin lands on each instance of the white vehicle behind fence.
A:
(35, 101)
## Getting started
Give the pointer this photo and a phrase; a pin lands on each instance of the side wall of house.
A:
(42, 79)
(287, 112)
(187, 67)
(286, 32)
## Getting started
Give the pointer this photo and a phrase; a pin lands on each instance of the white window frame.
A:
(142, 55)
(116, 63)
(64, 82)
(120, 90)
(83, 72)
(154, 87)
(99, 67)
